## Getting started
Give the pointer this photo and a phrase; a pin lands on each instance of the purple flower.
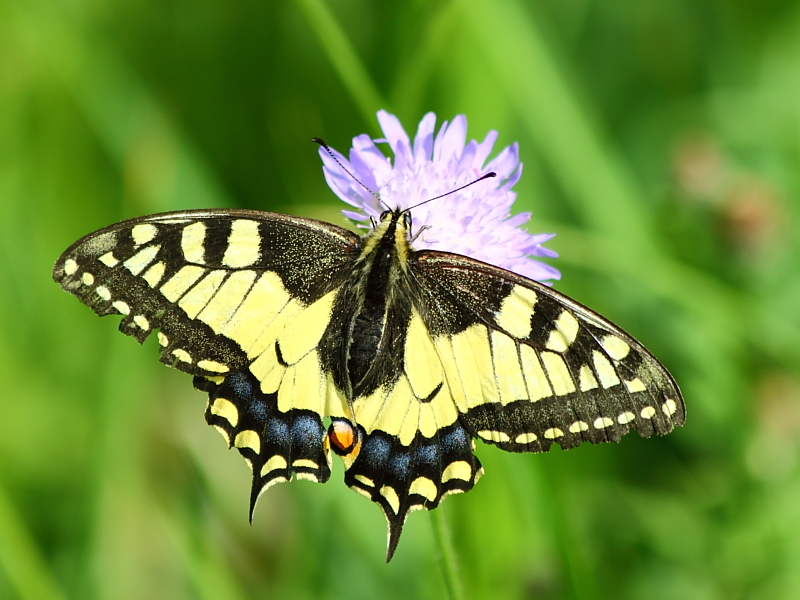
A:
(475, 222)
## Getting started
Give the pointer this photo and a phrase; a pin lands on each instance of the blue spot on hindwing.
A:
(277, 431)
(400, 465)
(375, 452)
(241, 386)
(258, 410)
(306, 430)
(456, 441)
(427, 455)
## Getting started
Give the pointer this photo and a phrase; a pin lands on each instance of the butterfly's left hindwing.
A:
(240, 299)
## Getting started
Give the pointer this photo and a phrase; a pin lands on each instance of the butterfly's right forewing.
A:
(532, 367)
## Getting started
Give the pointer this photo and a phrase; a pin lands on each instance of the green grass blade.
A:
(21, 559)
(343, 58)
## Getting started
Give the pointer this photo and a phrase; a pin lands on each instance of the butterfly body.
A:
(309, 338)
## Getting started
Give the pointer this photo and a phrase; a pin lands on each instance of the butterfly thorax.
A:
(373, 299)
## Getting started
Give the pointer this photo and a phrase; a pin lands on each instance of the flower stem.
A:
(447, 555)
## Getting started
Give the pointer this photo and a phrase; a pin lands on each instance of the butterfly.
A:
(311, 340)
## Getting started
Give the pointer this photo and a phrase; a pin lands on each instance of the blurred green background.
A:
(661, 142)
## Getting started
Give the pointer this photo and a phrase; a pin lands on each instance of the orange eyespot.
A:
(342, 436)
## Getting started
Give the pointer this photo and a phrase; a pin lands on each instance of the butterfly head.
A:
(389, 235)
(398, 219)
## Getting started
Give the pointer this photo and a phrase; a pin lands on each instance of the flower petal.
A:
(395, 134)
(454, 138)
(474, 221)
(465, 163)
(423, 141)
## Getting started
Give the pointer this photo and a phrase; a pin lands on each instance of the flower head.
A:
(475, 222)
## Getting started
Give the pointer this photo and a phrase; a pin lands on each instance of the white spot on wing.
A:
(494, 436)
(669, 407)
(248, 439)
(193, 239)
(142, 322)
(558, 373)
(391, 497)
(176, 286)
(70, 266)
(625, 417)
(422, 366)
(578, 426)
(143, 233)
(616, 347)
(154, 274)
(87, 279)
(553, 433)
(196, 299)
(136, 263)
(304, 332)
(212, 365)
(648, 412)
(364, 480)
(635, 385)
(163, 340)
(244, 244)
(103, 292)
(182, 355)
(565, 332)
(275, 462)
(226, 409)
(424, 487)
(586, 379)
(602, 422)
(459, 469)
(516, 312)
(606, 373)
(525, 438)
(535, 379)
(507, 368)
(122, 307)
(109, 260)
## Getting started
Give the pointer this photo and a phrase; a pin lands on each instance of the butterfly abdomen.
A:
(375, 314)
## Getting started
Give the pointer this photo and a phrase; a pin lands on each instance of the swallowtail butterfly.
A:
(309, 339)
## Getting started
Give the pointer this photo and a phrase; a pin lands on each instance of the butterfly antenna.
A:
(322, 143)
(487, 176)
